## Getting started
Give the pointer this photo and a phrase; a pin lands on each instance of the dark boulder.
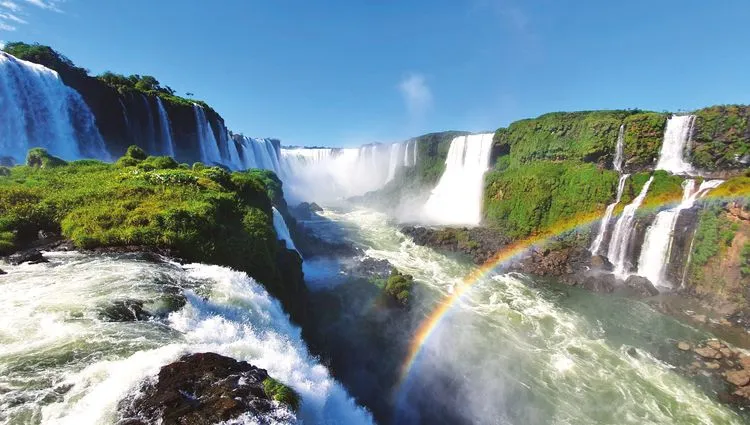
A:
(2, 272)
(124, 311)
(202, 389)
(599, 262)
(31, 256)
(306, 211)
(604, 283)
(368, 267)
(640, 286)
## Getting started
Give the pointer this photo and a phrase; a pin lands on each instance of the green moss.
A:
(158, 163)
(745, 260)
(644, 133)
(588, 136)
(40, 158)
(721, 137)
(281, 393)
(530, 199)
(665, 188)
(399, 287)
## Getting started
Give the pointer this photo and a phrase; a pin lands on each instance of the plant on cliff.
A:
(281, 393)
(527, 200)
(399, 286)
(209, 215)
(644, 133)
(713, 235)
(721, 138)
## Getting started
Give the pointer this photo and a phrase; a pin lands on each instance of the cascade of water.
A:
(167, 144)
(658, 241)
(393, 161)
(676, 137)
(407, 163)
(151, 142)
(38, 110)
(234, 154)
(618, 244)
(619, 148)
(457, 198)
(209, 148)
(282, 231)
(597, 244)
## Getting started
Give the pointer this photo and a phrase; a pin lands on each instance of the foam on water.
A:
(67, 366)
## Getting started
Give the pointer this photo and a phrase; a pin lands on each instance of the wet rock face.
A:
(31, 256)
(716, 359)
(200, 389)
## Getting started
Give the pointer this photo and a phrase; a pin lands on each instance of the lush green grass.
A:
(745, 265)
(721, 136)
(527, 200)
(399, 286)
(205, 214)
(281, 393)
(588, 136)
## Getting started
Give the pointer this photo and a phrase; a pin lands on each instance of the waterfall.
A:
(150, 127)
(38, 110)
(393, 161)
(457, 198)
(282, 231)
(596, 246)
(167, 145)
(658, 242)
(676, 137)
(406, 153)
(619, 148)
(210, 153)
(618, 245)
(234, 154)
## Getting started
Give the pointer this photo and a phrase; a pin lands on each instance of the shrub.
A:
(399, 286)
(40, 158)
(158, 163)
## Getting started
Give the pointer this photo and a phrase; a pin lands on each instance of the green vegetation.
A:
(531, 199)
(714, 234)
(399, 286)
(745, 265)
(644, 133)
(588, 136)
(721, 138)
(665, 188)
(206, 214)
(281, 393)
(50, 58)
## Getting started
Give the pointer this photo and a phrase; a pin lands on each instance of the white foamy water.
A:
(167, 145)
(657, 244)
(60, 363)
(457, 198)
(38, 110)
(619, 149)
(676, 137)
(210, 153)
(596, 246)
(620, 241)
(518, 353)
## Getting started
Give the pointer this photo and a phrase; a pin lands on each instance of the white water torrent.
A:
(597, 244)
(38, 110)
(167, 145)
(210, 153)
(618, 244)
(282, 231)
(393, 161)
(63, 363)
(657, 244)
(457, 198)
(676, 137)
(619, 149)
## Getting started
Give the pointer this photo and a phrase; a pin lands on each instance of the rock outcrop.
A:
(202, 389)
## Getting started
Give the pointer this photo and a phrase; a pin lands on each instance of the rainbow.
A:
(431, 322)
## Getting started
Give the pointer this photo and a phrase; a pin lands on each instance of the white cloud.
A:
(417, 94)
(12, 6)
(46, 4)
(12, 12)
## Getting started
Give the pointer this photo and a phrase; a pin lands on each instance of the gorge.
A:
(542, 273)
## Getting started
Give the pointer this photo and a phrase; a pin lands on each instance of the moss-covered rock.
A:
(521, 201)
(398, 287)
(40, 158)
(721, 138)
(644, 133)
(284, 394)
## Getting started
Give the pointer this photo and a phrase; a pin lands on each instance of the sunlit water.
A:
(61, 363)
(517, 351)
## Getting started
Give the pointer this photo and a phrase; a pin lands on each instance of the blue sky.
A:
(347, 72)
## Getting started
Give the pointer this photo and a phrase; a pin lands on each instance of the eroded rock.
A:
(739, 378)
